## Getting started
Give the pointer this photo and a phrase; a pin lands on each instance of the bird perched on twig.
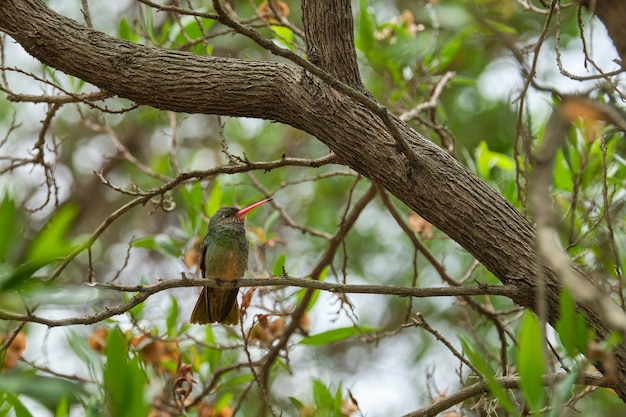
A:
(224, 257)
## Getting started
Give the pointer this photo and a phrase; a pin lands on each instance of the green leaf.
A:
(192, 29)
(366, 25)
(334, 335)
(322, 398)
(125, 31)
(161, 243)
(11, 225)
(147, 23)
(316, 293)
(50, 243)
(271, 220)
(611, 342)
(63, 409)
(79, 345)
(279, 265)
(314, 297)
(223, 401)
(338, 400)
(192, 201)
(172, 317)
(211, 356)
(124, 380)
(486, 160)
(17, 406)
(571, 326)
(48, 391)
(214, 202)
(48, 246)
(531, 363)
(450, 50)
(237, 381)
(137, 311)
(284, 35)
(565, 325)
(501, 27)
(497, 390)
(297, 403)
(563, 392)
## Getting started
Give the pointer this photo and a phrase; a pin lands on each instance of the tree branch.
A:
(144, 196)
(145, 291)
(507, 382)
(330, 39)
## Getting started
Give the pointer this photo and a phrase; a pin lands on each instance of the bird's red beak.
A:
(243, 211)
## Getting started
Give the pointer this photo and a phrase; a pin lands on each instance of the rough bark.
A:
(329, 44)
(441, 190)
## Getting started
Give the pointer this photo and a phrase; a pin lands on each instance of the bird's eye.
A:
(227, 215)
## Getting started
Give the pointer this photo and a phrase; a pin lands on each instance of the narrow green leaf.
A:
(172, 317)
(50, 243)
(497, 390)
(124, 380)
(531, 363)
(279, 265)
(10, 226)
(192, 201)
(214, 202)
(612, 341)
(297, 403)
(237, 381)
(338, 400)
(322, 397)
(271, 220)
(450, 50)
(63, 409)
(572, 327)
(334, 335)
(48, 391)
(19, 408)
(563, 392)
(284, 35)
(223, 401)
(565, 325)
(212, 356)
(501, 27)
(125, 31)
(161, 243)
(137, 311)
(314, 297)
(146, 242)
(365, 38)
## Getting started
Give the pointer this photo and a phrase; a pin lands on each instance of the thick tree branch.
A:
(330, 42)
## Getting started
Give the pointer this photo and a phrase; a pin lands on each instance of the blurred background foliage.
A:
(352, 354)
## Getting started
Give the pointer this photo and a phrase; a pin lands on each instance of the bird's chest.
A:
(226, 259)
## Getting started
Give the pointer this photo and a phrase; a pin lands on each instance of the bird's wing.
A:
(203, 248)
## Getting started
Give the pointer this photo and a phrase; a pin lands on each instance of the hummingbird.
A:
(224, 257)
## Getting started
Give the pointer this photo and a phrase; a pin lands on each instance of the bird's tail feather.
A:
(215, 305)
